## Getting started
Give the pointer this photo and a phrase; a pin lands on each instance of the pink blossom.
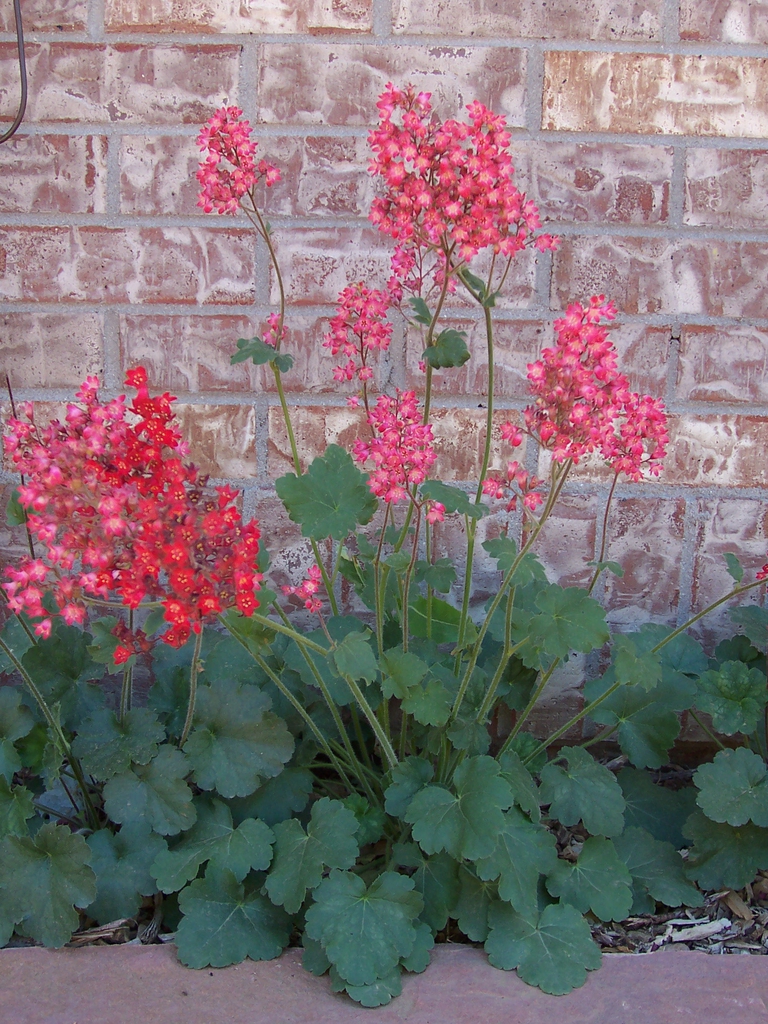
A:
(401, 449)
(359, 328)
(308, 588)
(229, 171)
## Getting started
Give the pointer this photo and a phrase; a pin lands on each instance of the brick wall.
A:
(640, 129)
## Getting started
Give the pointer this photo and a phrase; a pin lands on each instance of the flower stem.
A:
(194, 670)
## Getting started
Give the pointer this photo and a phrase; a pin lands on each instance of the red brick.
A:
(50, 350)
(53, 174)
(595, 182)
(43, 16)
(723, 364)
(739, 526)
(256, 16)
(536, 19)
(730, 21)
(221, 439)
(157, 175)
(711, 451)
(649, 275)
(309, 83)
(84, 82)
(317, 263)
(645, 536)
(727, 188)
(567, 542)
(322, 176)
(132, 265)
(649, 93)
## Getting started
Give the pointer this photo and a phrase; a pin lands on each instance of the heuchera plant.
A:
(299, 769)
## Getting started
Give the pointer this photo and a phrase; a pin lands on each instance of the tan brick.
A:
(730, 21)
(87, 82)
(712, 451)
(677, 94)
(53, 174)
(256, 16)
(723, 364)
(132, 265)
(537, 19)
(321, 177)
(649, 275)
(50, 350)
(645, 536)
(43, 16)
(221, 439)
(739, 526)
(308, 83)
(726, 188)
(157, 175)
(595, 182)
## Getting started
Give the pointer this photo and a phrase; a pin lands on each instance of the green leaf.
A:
(632, 666)
(302, 857)
(613, 567)
(734, 788)
(523, 852)
(261, 353)
(421, 310)
(214, 838)
(657, 809)
(474, 902)
(467, 824)
(647, 725)
(436, 881)
(504, 550)
(454, 499)
(723, 856)
(586, 791)
(440, 575)
(445, 622)
(226, 921)
(330, 499)
(379, 993)
(354, 657)
(735, 568)
(16, 721)
(42, 880)
(155, 793)
(656, 868)
(449, 350)
(277, 799)
(62, 669)
(15, 514)
(229, 661)
(429, 703)
(106, 746)
(524, 745)
(569, 621)
(475, 283)
(313, 959)
(235, 740)
(599, 881)
(16, 638)
(364, 932)
(105, 643)
(754, 621)
(371, 819)
(418, 959)
(402, 671)
(553, 951)
(398, 560)
(121, 862)
(520, 779)
(16, 809)
(734, 695)
(408, 778)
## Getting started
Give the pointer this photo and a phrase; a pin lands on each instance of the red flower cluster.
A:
(230, 170)
(584, 404)
(359, 327)
(308, 588)
(120, 513)
(401, 449)
(447, 183)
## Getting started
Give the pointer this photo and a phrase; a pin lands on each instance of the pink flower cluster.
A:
(582, 403)
(359, 328)
(448, 184)
(230, 170)
(120, 513)
(401, 449)
(307, 590)
(275, 333)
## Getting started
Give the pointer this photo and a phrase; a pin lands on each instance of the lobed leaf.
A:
(585, 791)
(734, 787)
(599, 881)
(121, 862)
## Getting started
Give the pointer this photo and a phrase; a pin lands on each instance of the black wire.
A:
(22, 73)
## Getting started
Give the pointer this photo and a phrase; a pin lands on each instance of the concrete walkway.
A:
(146, 985)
